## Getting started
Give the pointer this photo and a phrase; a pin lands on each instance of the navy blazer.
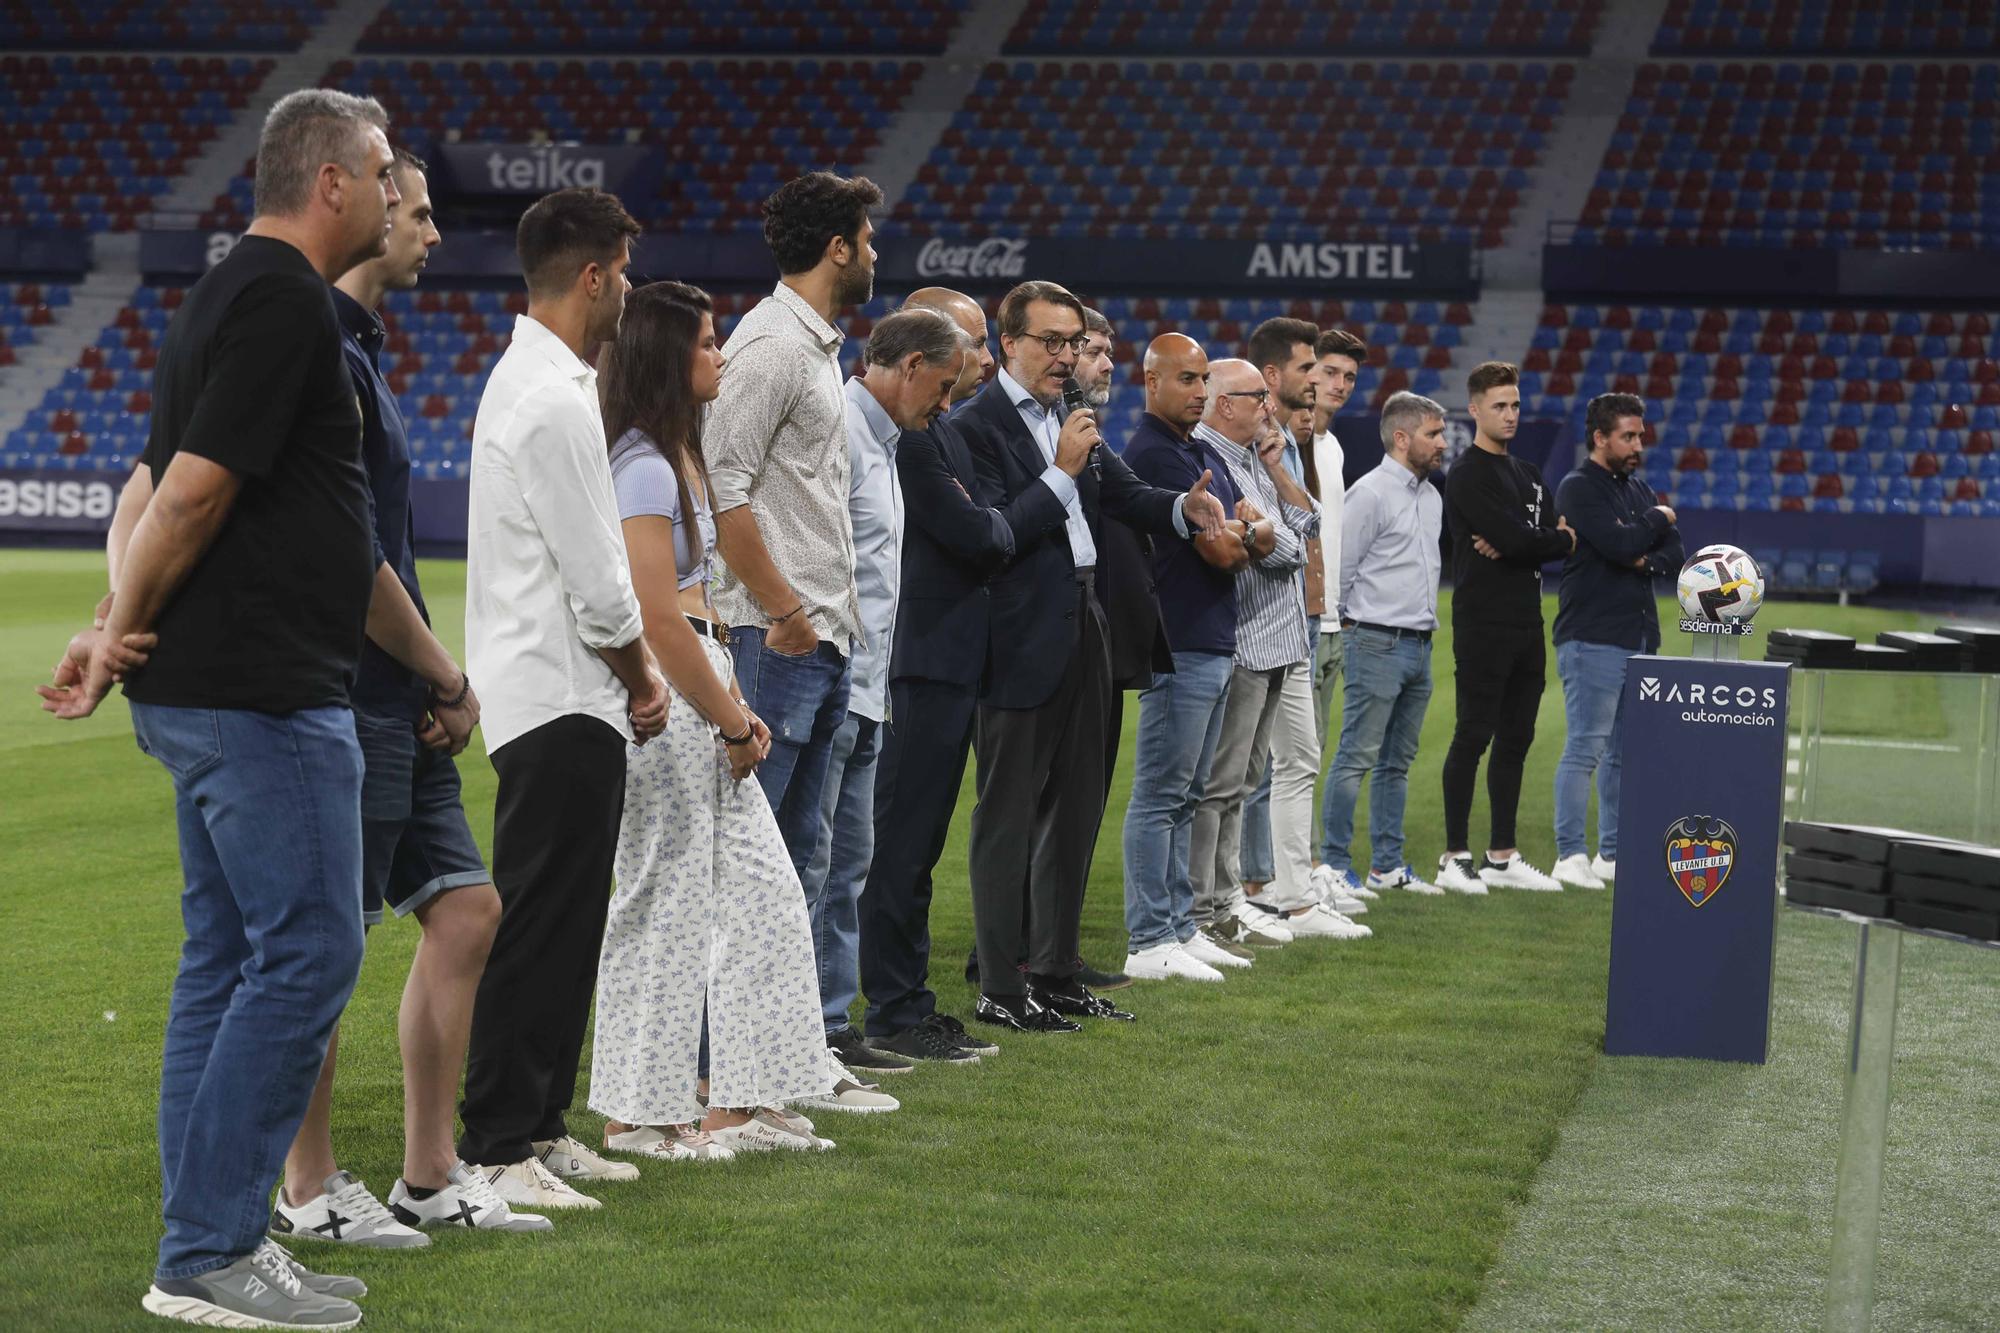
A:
(1034, 599)
(952, 544)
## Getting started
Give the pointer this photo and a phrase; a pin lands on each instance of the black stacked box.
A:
(1809, 648)
(1947, 886)
(1932, 652)
(1984, 642)
(1881, 657)
(1845, 866)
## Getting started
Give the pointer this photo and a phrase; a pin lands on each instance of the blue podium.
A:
(1701, 817)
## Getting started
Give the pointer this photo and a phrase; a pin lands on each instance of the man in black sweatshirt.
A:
(1504, 529)
(1605, 613)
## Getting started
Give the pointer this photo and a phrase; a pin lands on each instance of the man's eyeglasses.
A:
(1053, 343)
(1261, 395)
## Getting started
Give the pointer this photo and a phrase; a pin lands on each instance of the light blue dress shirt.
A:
(1389, 556)
(875, 505)
(1046, 424)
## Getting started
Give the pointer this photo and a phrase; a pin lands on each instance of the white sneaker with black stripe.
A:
(568, 1159)
(346, 1213)
(1516, 873)
(1457, 874)
(529, 1184)
(467, 1200)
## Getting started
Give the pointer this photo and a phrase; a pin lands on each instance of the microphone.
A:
(1073, 400)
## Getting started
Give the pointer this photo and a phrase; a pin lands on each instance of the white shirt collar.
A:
(828, 336)
(1019, 396)
(537, 336)
(880, 424)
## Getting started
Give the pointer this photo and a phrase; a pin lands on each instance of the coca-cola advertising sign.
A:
(994, 257)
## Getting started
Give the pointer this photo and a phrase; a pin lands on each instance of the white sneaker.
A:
(1603, 869)
(1575, 872)
(347, 1213)
(467, 1200)
(759, 1134)
(676, 1143)
(1330, 885)
(1203, 950)
(1256, 927)
(1320, 922)
(850, 1096)
(1168, 960)
(1402, 877)
(529, 1184)
(1456, 875)
(1516, 873)
(568, 1159)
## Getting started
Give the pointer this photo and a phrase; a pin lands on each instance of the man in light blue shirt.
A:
(1389, 567)
(911, 364)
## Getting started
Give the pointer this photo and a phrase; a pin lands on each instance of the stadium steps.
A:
(209, 175)
(1503, 324)
(1561, 183)
(926, 114)
(94, 303)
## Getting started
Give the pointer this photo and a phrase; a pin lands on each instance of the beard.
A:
(856, 287)
(1099, 395)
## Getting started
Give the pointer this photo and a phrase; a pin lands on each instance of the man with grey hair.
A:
(909, 370)
(1389, 568)
(251, 570)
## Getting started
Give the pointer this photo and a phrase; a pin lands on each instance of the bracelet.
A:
(749, 734)
(779, 620)
(464, 689)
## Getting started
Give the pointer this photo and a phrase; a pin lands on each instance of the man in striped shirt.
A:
(1269, 713)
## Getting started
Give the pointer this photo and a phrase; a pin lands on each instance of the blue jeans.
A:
(1382, 716)
(1254, 853)
(1593, 681)
(803, 700)
(840, 865)
(1180, 719)
(269, 813)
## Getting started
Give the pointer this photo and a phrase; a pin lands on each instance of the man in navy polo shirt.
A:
(1181, 715)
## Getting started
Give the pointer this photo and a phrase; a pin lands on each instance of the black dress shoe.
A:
(1097, 980)
(1023, 1015)
(1079, 1003)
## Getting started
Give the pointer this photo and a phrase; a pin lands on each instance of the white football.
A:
(1720, 583)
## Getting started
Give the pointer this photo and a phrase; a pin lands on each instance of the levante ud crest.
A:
(1700, 852)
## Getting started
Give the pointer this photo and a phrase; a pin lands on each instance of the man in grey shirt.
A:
(1389, 568)
(777, 451)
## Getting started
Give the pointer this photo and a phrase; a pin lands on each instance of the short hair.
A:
(305, 130)
(1095, 322)
(1014, 305)
(1272, 341)
(1405, 411)
(918, 329)
(562, 232)
(1491, 375)
(409, 161)
(806, 213)
(1339, 342)
(1604, 411)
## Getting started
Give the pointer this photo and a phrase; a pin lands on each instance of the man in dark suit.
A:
(952, 544)
(1041, 721)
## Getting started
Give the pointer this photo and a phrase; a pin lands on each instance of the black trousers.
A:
(1501, 673)
(555, 837)
(917, 778)
(1041, 799)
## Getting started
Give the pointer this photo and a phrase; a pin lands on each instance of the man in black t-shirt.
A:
(253, 564)
(1504, 528)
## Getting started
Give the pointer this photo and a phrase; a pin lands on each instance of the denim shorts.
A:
(415, 843)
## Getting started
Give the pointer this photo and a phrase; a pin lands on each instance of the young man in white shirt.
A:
(554, 638)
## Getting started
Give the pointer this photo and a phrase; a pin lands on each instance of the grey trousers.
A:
(1268, 722)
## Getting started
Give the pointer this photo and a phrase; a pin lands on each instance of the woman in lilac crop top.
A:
(708, 925)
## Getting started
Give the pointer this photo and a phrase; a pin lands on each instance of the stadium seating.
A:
(732, 130)
(1870, 27)
(133, 25)
(94, 142)
(612, 27)
(1430, 152)
(1273, 27)
(1808, 156)
(25, 307)
(1869, 411)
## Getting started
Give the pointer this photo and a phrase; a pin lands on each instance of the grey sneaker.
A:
(1221, 939)
(326, 1284)
(260, 1290)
